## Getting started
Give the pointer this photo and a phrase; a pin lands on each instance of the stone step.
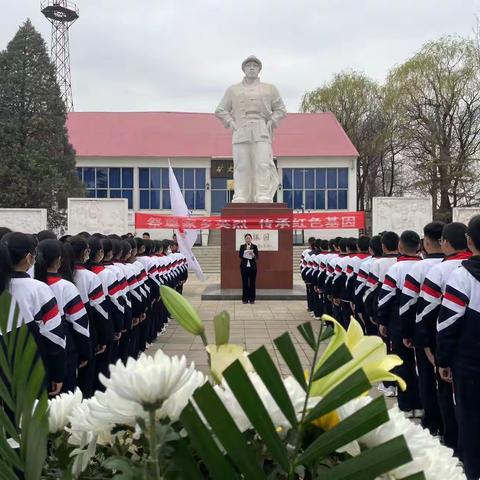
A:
(214, 238)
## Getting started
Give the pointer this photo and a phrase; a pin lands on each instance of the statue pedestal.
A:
(274, 267)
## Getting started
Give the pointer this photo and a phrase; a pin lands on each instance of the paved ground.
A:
(251, 325)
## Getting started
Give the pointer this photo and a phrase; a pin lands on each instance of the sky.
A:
(181, 55)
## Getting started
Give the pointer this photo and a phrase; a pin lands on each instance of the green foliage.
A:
(37, 164)
(420, 131)
(22, 419)
(206, 441)
(306, 452)
(356, 101)
(436, 96)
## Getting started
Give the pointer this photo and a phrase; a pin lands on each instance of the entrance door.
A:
(221, 195)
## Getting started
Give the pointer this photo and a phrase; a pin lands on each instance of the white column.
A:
(136, 190)
(352, 186)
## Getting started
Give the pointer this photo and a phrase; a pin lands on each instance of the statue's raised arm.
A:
(252, 110)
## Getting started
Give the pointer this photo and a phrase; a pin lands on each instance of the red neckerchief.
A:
(458, 256)
(403, 258)
(79, 266)
(97, 269)
(53, 278)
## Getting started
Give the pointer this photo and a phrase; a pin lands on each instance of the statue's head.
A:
(251, 66)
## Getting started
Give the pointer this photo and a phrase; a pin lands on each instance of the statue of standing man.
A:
(252, 110)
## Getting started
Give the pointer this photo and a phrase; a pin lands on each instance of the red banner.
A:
(295, 221)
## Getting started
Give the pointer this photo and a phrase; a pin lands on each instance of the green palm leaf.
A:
(373, 462)
(226, 452)
(23, 419)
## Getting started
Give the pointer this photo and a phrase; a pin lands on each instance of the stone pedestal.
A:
(274, 268)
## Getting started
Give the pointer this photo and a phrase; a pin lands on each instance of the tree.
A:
(358, 104)
(37, 163)
(437, 99)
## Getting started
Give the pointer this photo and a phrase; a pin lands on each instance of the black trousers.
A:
(447, 410)
(346, 312)
(337, 312)
(317, 304)
(310, 297)
(249, 276)
(124, 345)
(70, 381)
(86, 377)
(103, 361)
(370, 326)
(327, 305)
(427, 383)
(410, 398)
(467, 393)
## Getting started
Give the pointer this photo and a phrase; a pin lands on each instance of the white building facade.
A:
(126, 155)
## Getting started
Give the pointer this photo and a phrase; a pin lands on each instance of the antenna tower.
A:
(61, 14)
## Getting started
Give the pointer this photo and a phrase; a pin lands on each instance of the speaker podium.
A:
(275, 260)
(274, 267)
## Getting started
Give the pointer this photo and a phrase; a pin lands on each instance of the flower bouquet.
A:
(160, 418)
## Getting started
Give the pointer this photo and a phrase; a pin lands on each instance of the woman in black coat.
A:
(248, 268)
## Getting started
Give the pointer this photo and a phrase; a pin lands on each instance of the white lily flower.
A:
(149, 381)
(429, 456)
(60, 408)
(222, 356)
(368, 352)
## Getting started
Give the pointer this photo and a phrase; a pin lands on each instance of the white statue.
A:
(252, 110)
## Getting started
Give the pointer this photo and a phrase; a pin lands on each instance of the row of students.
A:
(93, 299)
(422, 297)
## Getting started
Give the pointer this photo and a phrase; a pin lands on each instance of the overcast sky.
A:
(180, 55)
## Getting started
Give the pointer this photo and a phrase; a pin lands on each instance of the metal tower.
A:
(61, 14)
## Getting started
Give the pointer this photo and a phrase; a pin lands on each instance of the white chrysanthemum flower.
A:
(295, 391)
(149, 380)
(60, 408)
(85, 428)
(435, 460)
(109, 408)
(173, 406)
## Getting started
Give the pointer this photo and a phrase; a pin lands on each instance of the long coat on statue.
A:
(253, 110)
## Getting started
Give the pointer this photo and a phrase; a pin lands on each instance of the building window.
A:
(316, 188)
(155, 193)
(108, 182)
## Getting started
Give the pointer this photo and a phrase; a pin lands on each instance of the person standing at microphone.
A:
(248, 268)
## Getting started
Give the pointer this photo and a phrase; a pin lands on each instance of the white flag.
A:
(187, 239)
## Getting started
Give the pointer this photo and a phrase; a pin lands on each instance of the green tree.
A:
(437, 100)
(358, 104)
(37, 163)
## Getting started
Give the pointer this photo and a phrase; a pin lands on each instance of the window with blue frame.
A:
(108, 182)
(154, 187)
(316, 188)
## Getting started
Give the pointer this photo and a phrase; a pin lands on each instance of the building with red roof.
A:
(126, 154)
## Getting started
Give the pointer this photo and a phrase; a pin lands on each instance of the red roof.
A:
(179, 134)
